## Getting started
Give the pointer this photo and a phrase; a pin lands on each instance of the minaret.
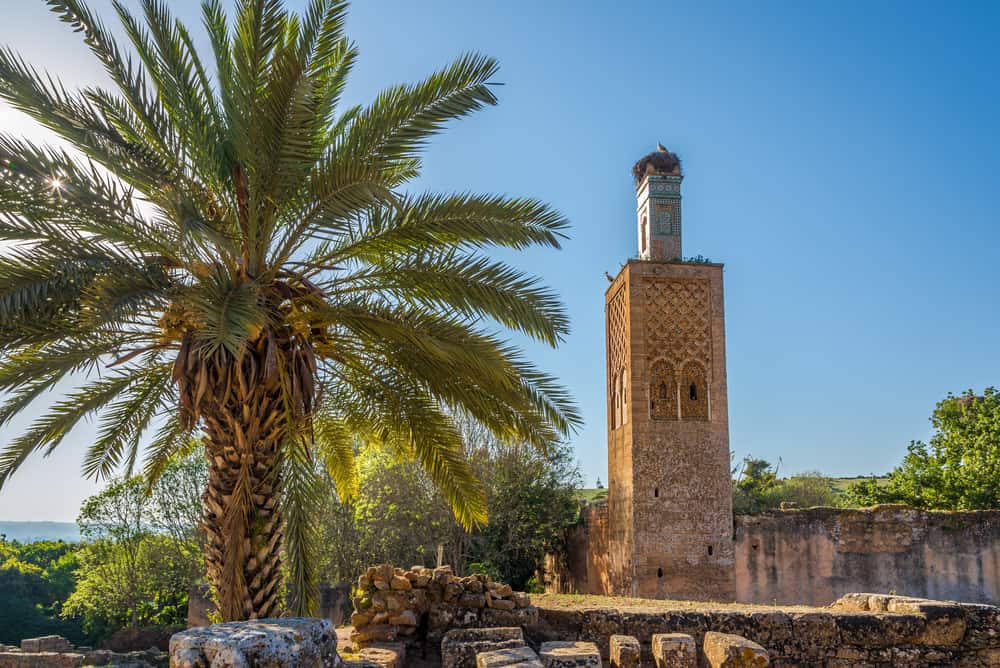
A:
(658, 193)
(670, 515)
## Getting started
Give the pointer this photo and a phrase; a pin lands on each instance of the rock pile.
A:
(392, 603)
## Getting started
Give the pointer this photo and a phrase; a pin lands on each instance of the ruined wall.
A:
(816, 556)
(583, 566)
(861, 631)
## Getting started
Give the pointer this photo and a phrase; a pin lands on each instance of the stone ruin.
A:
(58, 652)
(423, 603)
(405, 617)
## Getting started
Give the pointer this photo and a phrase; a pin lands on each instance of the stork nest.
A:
(657, 162)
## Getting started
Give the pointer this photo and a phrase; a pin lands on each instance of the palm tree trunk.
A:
(245, 423)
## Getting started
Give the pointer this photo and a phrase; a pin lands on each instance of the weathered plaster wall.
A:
(583, 567)
(816, 556)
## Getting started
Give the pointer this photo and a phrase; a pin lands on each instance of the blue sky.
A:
(841, 159)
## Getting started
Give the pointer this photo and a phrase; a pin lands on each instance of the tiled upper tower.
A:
(669, 497)
(658, 191)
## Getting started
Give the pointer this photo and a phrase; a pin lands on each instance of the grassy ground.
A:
(590, 602)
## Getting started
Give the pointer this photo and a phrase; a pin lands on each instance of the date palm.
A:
(227, 250)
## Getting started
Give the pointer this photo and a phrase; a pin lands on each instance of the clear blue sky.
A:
(841, 159)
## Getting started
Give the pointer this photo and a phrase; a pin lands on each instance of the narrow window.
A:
(656, 492)
(710, 550)
(642, 233)
(693, 392)
(659, 572)
(663, 390)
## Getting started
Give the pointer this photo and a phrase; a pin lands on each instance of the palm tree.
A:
(235, 256)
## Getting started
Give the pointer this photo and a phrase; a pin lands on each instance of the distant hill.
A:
(29, 532)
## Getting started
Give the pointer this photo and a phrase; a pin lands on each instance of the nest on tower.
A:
(660, 161)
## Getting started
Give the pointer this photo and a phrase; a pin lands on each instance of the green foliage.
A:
(753, 486)
(35, 578)
(142, 551)
(957, 470)
(757, 488)
(398, 515)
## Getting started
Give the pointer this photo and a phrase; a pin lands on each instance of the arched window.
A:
(659, 572)
(694, 406)
(642, 234)
(656, 492)
(663, 392)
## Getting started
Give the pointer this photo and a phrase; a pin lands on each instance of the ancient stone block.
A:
(674, 650)
(41, 659)
(291, 642)
(724, 650)
(501, 604)
(569, 654)
(624, 651)
(46, 644)
(459, 647)
(521, 657)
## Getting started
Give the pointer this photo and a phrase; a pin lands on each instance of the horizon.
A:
(839, 161)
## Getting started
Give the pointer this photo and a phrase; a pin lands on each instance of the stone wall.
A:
(583, 566)
(420, 603)
(815, 556)
(861, 631)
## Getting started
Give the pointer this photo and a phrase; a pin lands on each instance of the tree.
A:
(243, 253)
(532, 502)
(757, 488)
(35, 579)
(958, 470)
(753, 485)
(400, 517)
(141, 553)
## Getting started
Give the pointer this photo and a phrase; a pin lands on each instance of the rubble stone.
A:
(292, 642)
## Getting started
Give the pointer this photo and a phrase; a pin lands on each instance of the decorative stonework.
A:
(694, 392)
(678, 320)
(617, 377)
(663, 392)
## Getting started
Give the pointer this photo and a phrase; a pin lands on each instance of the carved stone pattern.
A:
(662, 392)
(696, 408)
(678, 321)
(617, 324)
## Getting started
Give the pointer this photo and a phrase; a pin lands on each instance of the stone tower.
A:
(669, 497)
